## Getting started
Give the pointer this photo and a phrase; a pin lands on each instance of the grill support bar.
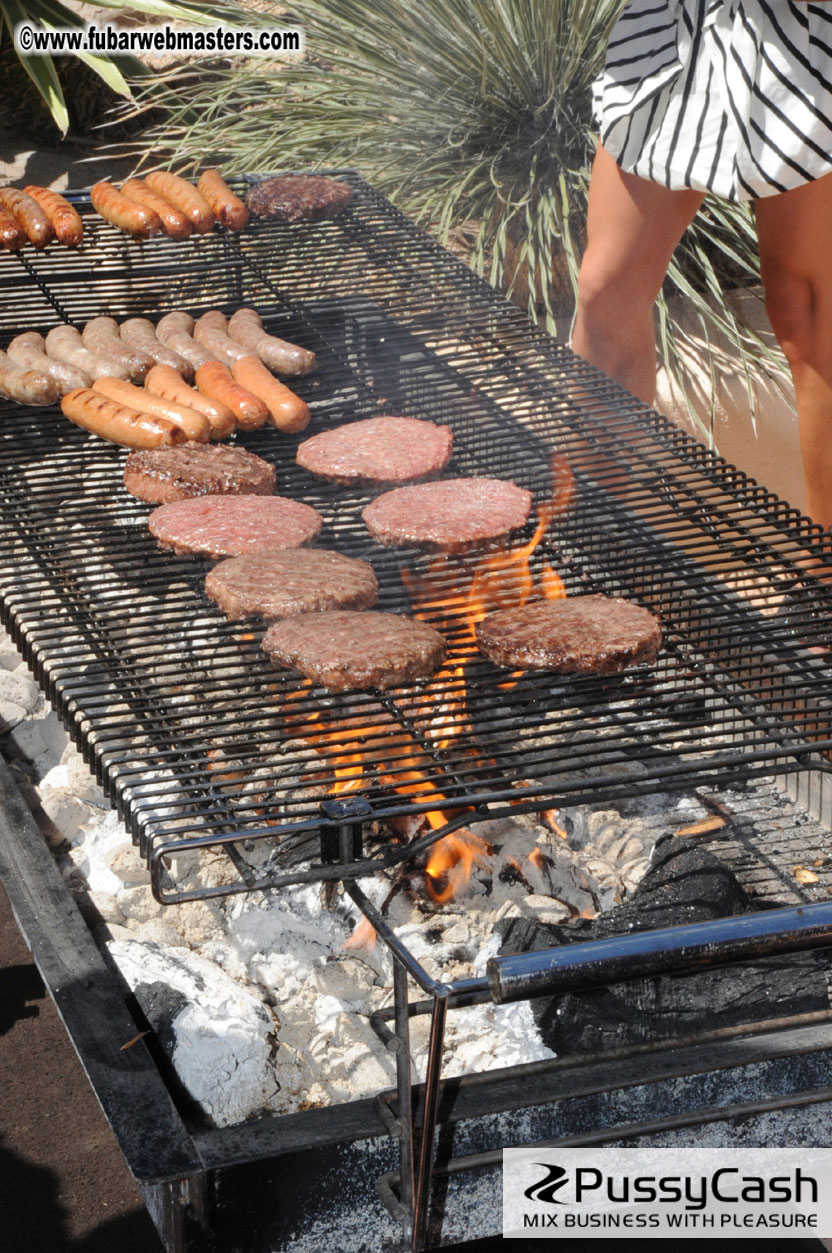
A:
(550, 972)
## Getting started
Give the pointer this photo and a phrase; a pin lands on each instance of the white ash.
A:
(219, 1035)
(287, 1015)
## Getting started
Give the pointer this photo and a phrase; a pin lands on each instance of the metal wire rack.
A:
(204, 745)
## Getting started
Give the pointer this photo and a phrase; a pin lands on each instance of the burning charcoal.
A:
(684, 884)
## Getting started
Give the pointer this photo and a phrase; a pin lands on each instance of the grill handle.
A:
(668, 950)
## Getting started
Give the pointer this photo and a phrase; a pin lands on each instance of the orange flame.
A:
(500, 580)
(452, 860)
(363, 937)
(549, 817)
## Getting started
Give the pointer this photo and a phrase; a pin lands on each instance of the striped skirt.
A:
(728, 96)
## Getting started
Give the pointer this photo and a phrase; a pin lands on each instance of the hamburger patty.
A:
(378, 450)
(351, 652)
(160, 475)
(298, 197)
(450, 515)
(228, 526)
(578, 635)
(279, 585)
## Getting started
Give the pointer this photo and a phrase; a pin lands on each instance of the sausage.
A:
(117, 423)
(30, 387)
(29, 214)
(66, 221)
(174, 222)
(194, 424)
(183, 195)
(29, 352)
(209, 331)
(140, 333)
(136, 219)
(169, 384)
(174, 323)
(101, 336)
(230, 210)
(188, 348)
(12, 235)
(215, 381)
(64, 343)
(284, 358)
(288, 412)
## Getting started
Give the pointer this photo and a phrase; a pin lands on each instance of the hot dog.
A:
(29, 214)
(288, 412)
(194, 424)
(66, 221)
(209, 330)
(29, 352)
(64, 344)
(230, 210)
(175, 323)
(140, 333)
(12, 235)
(136, 219)
(183, 195)
(284, 358)
(118, 424)
(169, 384)
(30, 387)
(174, 223)
(215, 381)
(101, 336)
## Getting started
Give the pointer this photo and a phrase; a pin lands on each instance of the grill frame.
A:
(342, 823)
(655, 515)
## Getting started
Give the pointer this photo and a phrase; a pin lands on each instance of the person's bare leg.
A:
(633, 227)
(795, 236)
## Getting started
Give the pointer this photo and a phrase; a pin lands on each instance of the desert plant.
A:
(114, 71)
(476, 116)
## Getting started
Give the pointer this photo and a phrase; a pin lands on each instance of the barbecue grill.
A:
(206, 749)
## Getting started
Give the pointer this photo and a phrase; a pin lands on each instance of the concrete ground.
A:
(64, 1185)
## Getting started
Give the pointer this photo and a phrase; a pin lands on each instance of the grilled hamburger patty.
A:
(351, 652)
(450, 515)
(578, 635)
(278, 585)
(378, 450)
(160, 475)
(298, 197)
(228, 526)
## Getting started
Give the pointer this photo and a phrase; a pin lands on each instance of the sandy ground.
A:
(70, 165)
(64, 1185)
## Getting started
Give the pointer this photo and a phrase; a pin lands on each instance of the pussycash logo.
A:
(695, 1192)
(545, 1188)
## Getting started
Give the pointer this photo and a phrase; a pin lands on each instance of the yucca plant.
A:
(476, 116)
(114, 71)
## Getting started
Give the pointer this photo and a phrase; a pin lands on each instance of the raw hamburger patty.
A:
(228, 526)
(350, 652)
(578, 635)
(298, 197)
(451, 515)
(278, 585)
(160, 475)
(378, 450)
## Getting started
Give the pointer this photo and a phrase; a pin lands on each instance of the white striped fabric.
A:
(729, 96)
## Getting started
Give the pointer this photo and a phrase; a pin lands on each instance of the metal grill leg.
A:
(404, 1089)
(421, 1203)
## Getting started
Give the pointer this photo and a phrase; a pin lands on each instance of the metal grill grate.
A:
(202, 743)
